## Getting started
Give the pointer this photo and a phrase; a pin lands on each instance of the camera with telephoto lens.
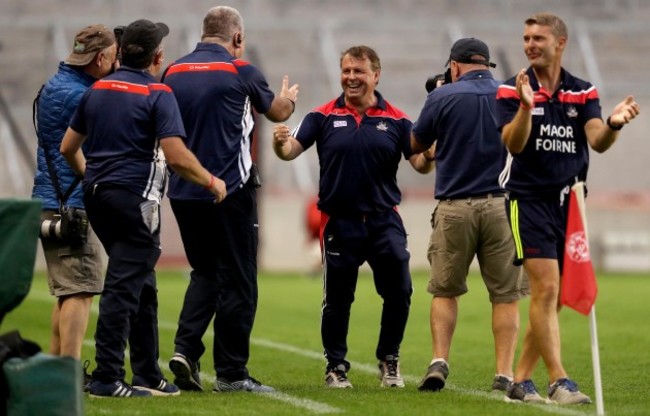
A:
(118, 31)
(438, 80)
(70, 226)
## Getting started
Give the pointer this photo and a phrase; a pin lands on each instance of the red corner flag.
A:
(579, 289)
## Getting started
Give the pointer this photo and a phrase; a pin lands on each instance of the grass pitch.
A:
(286, 353)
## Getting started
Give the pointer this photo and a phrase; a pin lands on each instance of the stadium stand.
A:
(304, 39)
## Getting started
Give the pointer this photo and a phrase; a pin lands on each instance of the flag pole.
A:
(593, 330)
(595, 358)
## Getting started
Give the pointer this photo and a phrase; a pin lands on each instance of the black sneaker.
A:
(336, 377)
(248, 384)
(162, 388)
(434, 379)
(501, 383)
(186, 373)
(115, 389)
(87, 378)
(389, 372)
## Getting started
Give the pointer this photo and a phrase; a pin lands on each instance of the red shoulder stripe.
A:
(507, 92)
(578, 97)
(121, 87)
(239, 62)
(201, 67)
(160, 87)
(390, 112)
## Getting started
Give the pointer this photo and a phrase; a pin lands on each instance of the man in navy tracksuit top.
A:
(360, 139)
(217, 93)
(548, 119)
(131, 125)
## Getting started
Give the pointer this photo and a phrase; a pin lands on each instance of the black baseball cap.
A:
(142, 37)
(465, 48)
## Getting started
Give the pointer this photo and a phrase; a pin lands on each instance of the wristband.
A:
(209, 186)
(609, 124)
(293, 104)
(525, 107)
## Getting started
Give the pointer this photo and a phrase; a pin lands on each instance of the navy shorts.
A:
(538, 227)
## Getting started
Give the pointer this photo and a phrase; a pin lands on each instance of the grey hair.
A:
(222, 22)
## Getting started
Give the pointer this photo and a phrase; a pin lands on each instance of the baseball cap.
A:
(465, 48)
(142, 37)
(88, 42)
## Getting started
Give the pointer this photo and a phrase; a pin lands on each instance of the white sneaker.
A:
(565, 391)
(337, 378)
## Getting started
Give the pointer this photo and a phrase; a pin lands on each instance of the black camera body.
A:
(255, 176)
(118, 31)
(438, 80)
(70, 226)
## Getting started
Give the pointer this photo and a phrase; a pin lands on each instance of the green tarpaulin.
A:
(19, 227)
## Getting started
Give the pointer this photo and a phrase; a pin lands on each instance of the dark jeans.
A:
(220, 242)
(379, 239)
(128, 306)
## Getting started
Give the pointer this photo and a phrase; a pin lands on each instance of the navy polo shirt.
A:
(557, 152)
(216, 94)
(124, 117)
(460, 117)
(358, 156)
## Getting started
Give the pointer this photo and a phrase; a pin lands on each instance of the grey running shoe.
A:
(186, 373)
(501, 383)
(434, 379)
(336, 377)
(163, 388)
(565, 391)
(523, 392)
(248, 384)
(389, 372)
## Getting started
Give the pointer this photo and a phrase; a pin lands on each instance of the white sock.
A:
(435, 360)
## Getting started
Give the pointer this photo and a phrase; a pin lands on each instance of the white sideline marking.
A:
(311, 405)
(300, 402)
(372, 369)
(307, 404)
(322, 408)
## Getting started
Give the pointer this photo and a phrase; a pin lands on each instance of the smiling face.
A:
(542, 48)
(358, 79)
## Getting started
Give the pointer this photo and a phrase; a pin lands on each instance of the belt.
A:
(484, 196)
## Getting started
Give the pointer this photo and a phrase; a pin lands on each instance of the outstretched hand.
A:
(525, 91)
(286, 92)
(625, 111)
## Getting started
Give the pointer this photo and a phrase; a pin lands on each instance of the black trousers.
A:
(128, 227)
(220, 242)
(379, 239)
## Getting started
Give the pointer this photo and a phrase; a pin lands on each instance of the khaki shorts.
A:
(72, 270)
(466, 227)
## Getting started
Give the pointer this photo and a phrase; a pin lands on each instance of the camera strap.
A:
(50, 167)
